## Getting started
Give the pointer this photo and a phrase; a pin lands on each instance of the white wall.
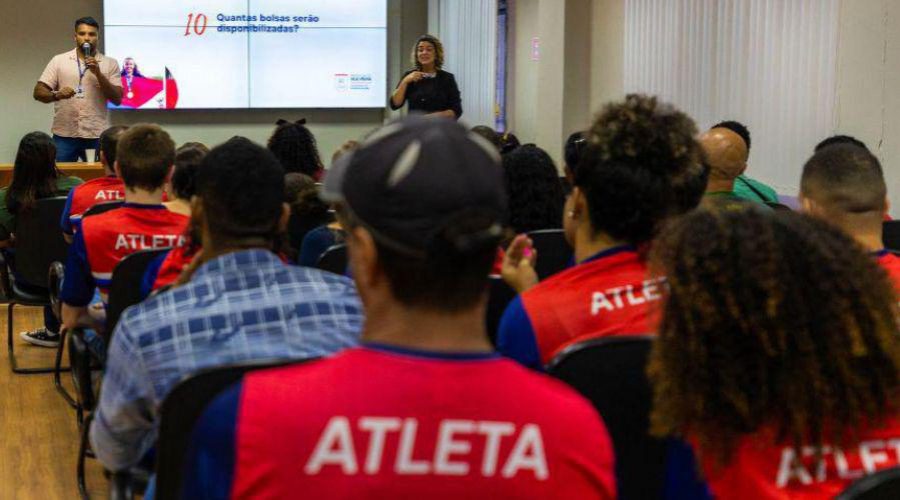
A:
(38, 29)
(868, 105)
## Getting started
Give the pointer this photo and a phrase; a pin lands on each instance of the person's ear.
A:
(117, 169)
(363, 258)
(743, 169)
(170, 173)
(887, 205)
(807, 205)
(285, 217)
(579, 204)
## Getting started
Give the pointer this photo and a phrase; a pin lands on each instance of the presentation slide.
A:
(213, 54)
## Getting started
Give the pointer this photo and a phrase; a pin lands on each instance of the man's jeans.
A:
(69, 149)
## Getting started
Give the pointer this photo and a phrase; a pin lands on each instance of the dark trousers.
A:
(69, 149)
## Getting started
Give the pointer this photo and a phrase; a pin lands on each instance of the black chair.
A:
(554, 252)
(891, 234)
(39, 243)
(610, 373)
(181, 409)
(125, 287)
(883, 485)
(334, 259)
(499, 296)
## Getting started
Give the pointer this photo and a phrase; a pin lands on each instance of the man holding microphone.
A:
(79, 82)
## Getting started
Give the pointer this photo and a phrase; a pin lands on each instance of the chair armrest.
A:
(5, 284)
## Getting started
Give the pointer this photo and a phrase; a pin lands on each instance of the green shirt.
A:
(753, 190)
(64, 184)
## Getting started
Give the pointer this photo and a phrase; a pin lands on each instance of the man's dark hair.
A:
(488, 133)
(88, 20)
(187, 160)
(533, 189)
(145, 154)
(449, 279)
(241, 187)
(846, 178)
(840, 139)
(574, 150)
(639, 149)
(736, 127)
(109, 143)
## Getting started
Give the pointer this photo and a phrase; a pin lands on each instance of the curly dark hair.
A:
(438, 52)
(636, 149)
(295, 147)
(534, 189)
(187, 159)
(772, 321)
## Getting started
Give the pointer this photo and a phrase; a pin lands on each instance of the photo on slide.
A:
(257, 54)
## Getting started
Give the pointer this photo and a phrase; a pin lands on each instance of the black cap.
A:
(412, 179)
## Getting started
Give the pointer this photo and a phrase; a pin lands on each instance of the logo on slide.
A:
(341, 82)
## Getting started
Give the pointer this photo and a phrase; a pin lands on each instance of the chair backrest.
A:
(891, 234)
(554, 253)
(334, 259)
(610, 372)
(181, 409)
(99, 208)
(39, 241)
(499, 296)
(299, 225)
(883, 485)
(125, 288)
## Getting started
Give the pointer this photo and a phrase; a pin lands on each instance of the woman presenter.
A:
(427, 88)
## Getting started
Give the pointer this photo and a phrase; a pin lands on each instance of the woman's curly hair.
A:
(773, 322)
(438, 52)
(636, 150)
(534, 189)
(295, 147)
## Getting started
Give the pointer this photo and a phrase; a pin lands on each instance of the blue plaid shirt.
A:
(246, 305)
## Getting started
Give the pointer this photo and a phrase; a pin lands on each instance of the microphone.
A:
(86, 49)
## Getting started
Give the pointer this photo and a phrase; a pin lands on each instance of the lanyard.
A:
(80, 72)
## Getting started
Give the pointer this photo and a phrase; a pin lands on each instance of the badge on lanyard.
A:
(79, 91)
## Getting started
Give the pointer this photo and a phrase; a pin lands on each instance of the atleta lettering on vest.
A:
(626, 296)
(452, 451)
(144, 241)
(873, 456)
(109, 194)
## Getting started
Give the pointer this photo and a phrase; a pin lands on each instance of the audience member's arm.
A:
(211, 456)
(78, 285)
(516, 338)
(518, 264)
(122, 430)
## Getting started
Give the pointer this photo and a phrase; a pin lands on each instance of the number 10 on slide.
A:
(196, 23)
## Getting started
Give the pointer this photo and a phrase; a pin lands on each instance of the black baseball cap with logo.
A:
(410, 182)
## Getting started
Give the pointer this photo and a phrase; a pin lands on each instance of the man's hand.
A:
(92, 65)
(518, 264)
(65, 93)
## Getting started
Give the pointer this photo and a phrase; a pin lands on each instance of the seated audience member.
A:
(241, 303)
(777, 355)
(535, 194)
(180, 187)
(308, 211)
(423, 207)
(508, 142)
(100, 190)
(573, 152)
(34, 177)
(325, 236)
(144, 162)
(745, 187)
(725, 153)
(638, 155)
(489, 134)
(295, 147)
(843, 184)
(840, 139)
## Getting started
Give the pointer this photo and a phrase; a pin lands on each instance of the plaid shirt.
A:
(241, 306)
